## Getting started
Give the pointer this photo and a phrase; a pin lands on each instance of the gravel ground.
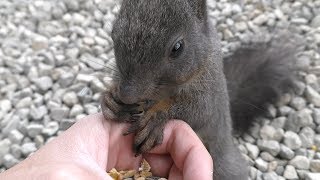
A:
(53, 59)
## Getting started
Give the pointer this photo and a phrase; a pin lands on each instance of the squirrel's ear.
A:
(200, 8)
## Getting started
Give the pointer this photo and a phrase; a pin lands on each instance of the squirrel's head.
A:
(159, 45)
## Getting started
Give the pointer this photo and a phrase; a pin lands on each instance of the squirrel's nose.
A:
(128, 94)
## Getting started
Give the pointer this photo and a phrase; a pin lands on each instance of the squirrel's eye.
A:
(177, 49)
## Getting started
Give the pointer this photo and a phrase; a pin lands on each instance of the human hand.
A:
(94, 145)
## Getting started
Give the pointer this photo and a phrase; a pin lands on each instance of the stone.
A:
(315, 165)
(286, 152)
(5, 105)
(300, 162)
(50, 129)
(9, 161)
(270, 176)
(59, 113)
(292, 140)
(72, 5)
(43, 83)
(279, 170)
(271, 146)
(298, 103)
(311, 79)
(316, 115)
(66, 124)
(12, 124)
(90, 109)
(70, 99)
(253, 151)
(39, 43)
(312, 176)
(317, 140)
(34, 129)
(261, 165)
(66, 79)
(316, 21)
(312, 96)
(39, 141)
(285, 110)
(15, 136)
(279, 122)
(93, 62)
(261, 19)
(290, 173)
(253, 172)
(28, 148)
(306, 136)
(15, 150)
(266, 156)
(37, 113)
(24, 103)
(4, 147)
(267, 132)
(299, 119)
(76, 110)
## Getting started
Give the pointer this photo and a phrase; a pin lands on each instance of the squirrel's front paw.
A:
(149, 131)
(117, 111)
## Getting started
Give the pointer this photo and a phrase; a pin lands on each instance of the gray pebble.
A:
(270, 176)
(15, 150)
(5, 105)
(43, 83)
(292, 140)
(90, 109)
(59, 113)
(266, 156)
(306, 137)
(70, 99)
(66, 124)
(313, 96)
(50, 129)
(24, 103)
(279, 122)
(312, 176)
(37, 113)
(315, 165)
(4, 147)
(9, 161)
(316, 115)
(290, 172)
(286, 152)
(66, 79)
(76, 110)
(271, 146)
(261, 164)
(300, 162)
(28, 148)
(267, 132)
(34, 129)
(316, 21)
(298, 103)
(15, 136)
(253, 151)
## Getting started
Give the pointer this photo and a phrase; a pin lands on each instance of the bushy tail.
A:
(256, 75)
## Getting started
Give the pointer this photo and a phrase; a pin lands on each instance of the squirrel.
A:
(170, 66)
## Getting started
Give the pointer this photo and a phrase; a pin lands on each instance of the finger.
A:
(160, 164)
(187, 151)
(175, 173)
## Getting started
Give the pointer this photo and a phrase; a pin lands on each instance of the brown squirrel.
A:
(170, 66)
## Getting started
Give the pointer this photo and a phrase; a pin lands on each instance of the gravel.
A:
(57, 56)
